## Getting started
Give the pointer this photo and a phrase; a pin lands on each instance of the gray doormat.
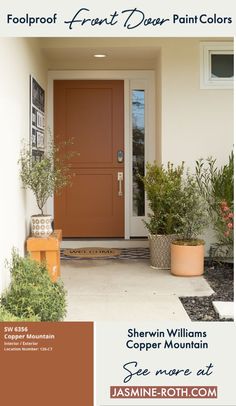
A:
(104, 253)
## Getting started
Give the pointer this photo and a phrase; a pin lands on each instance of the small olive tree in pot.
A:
(187, 252)
(44, 177)
(163, 186)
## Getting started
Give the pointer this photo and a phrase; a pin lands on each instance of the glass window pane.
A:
(138, 132)
(222, 66)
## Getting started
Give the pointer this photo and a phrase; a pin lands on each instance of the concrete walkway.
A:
(129, 290)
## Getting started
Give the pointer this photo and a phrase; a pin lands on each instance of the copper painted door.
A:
(92, 112)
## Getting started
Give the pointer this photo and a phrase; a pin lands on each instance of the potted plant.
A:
(164, 191)
(217, 188)
(44, 177)
(187, 252)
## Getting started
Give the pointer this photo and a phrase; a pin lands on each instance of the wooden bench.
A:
(47, 250)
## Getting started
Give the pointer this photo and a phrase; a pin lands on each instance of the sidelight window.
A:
(138, 150)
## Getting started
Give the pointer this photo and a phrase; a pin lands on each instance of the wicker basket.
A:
(160, 250)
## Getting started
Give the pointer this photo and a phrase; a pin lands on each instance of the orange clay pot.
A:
(187, 260)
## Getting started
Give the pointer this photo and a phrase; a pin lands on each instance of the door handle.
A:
(120, 178)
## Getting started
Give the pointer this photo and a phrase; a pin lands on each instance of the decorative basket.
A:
(160, 250)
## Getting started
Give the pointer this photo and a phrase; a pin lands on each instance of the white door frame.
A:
(147, 77)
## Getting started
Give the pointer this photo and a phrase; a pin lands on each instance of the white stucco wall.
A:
(19, 58)
(194, 122)
(191, 122)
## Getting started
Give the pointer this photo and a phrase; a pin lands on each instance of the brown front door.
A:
(91, 112)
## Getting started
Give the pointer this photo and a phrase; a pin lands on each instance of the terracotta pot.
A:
(187, 260)
(160, 250)
(41, 225)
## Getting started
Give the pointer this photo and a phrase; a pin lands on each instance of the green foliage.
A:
(191, 243)
(193, 214)
(164, 193)
(31, 292)
(49, 175)
(5, 315)
(217, 187)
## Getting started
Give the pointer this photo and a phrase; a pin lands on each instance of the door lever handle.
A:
(120, 178)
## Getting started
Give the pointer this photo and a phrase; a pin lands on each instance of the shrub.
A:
(217, 188)
(31, 292)
(164, 193)
(193, 214)
(5, 315)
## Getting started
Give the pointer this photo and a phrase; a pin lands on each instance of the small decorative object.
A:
(40, 140)
(187, 252)
(37, 122)
(164, 193)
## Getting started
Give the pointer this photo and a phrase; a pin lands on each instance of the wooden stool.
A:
(47, 250)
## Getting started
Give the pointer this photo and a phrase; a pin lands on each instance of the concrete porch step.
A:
(125, 308)
(108, 290)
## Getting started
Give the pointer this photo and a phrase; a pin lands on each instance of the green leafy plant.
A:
(164, 193)
(193, 214)
(5, 315)
(48, 175)
(31, 292)
(217, 187)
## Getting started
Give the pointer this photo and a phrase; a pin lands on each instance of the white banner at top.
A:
(132, 18)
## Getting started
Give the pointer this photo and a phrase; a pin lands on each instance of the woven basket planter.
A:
(160, 250)
(41, 225)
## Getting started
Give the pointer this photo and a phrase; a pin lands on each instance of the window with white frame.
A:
(217, 65)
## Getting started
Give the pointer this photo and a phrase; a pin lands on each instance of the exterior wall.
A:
(191, 122)
(127, 64)
(123, 53)
(195, 122)
(19, 58)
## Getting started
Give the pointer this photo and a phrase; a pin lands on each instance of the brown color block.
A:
(63, 376)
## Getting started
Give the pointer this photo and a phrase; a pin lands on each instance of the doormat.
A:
(91, 252)
(105, 253)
